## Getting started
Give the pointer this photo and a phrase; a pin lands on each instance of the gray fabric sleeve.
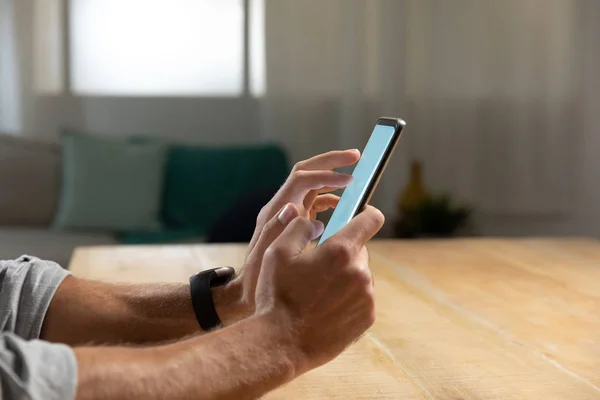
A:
(31, 369)
(27, 286)
(36, 370)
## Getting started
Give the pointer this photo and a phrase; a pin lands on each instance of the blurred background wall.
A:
(501, 98)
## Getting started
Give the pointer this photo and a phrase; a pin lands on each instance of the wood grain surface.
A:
(456, 319)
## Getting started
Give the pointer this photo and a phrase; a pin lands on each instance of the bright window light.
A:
(258, 84)
(157, 47)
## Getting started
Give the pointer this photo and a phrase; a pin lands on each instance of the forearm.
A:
(84, 312)
(242, 361)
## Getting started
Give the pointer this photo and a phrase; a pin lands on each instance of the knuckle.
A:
(300, 165)
(299, 175)
(378, 217)
(363, 231)
(361, 277)
(271, 224)
(266, 219)
(263, 214)
(301, 222)
(342, 252)
(275, 253)
(366, 278)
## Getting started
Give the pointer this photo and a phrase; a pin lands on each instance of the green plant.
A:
(436, 216)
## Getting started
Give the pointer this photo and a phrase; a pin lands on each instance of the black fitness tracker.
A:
(202, 298)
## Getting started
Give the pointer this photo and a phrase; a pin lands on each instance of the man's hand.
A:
(324, 295)
(308, 179)
(310, 305)
(307, 189)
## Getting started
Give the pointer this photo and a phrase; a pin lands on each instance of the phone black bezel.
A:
(398, 125)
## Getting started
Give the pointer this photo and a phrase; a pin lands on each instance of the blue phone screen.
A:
(363, 174)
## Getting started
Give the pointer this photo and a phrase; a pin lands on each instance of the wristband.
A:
(202, 297)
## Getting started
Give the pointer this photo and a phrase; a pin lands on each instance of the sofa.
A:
(29, 193)
(207, 194)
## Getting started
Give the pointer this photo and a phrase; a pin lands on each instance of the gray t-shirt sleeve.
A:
(36, 370)
(31, 369)
(27, 286)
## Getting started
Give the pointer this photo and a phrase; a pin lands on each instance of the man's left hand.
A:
(307, 192)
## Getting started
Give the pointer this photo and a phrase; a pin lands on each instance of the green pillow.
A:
(110, 184)
(201, 183)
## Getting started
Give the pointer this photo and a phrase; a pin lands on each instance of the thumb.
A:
(296, 236)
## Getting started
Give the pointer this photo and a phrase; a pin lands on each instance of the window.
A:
(166, 47)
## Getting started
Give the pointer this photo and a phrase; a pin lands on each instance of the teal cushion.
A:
(110, 184)
(201, 183)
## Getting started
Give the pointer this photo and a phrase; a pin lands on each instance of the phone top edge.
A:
(391, 121)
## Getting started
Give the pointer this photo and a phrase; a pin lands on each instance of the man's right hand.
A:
(322, 296)
(310, 305)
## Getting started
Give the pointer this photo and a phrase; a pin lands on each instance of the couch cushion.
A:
(202, 183)
(110, 184)
(46, 244)
(29, 180)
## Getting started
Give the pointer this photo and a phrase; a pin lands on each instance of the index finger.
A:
(361, 228)
(330, 160)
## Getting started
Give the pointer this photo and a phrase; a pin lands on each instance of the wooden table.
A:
(457, 320)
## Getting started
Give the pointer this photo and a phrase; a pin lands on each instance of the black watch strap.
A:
(202, 298)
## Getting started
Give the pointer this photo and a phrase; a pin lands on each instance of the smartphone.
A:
(366, 174)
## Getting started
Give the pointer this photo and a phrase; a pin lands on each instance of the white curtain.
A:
(332, 68)
(490, 90)
(32, 67)
(10, 78)
(499, 96)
